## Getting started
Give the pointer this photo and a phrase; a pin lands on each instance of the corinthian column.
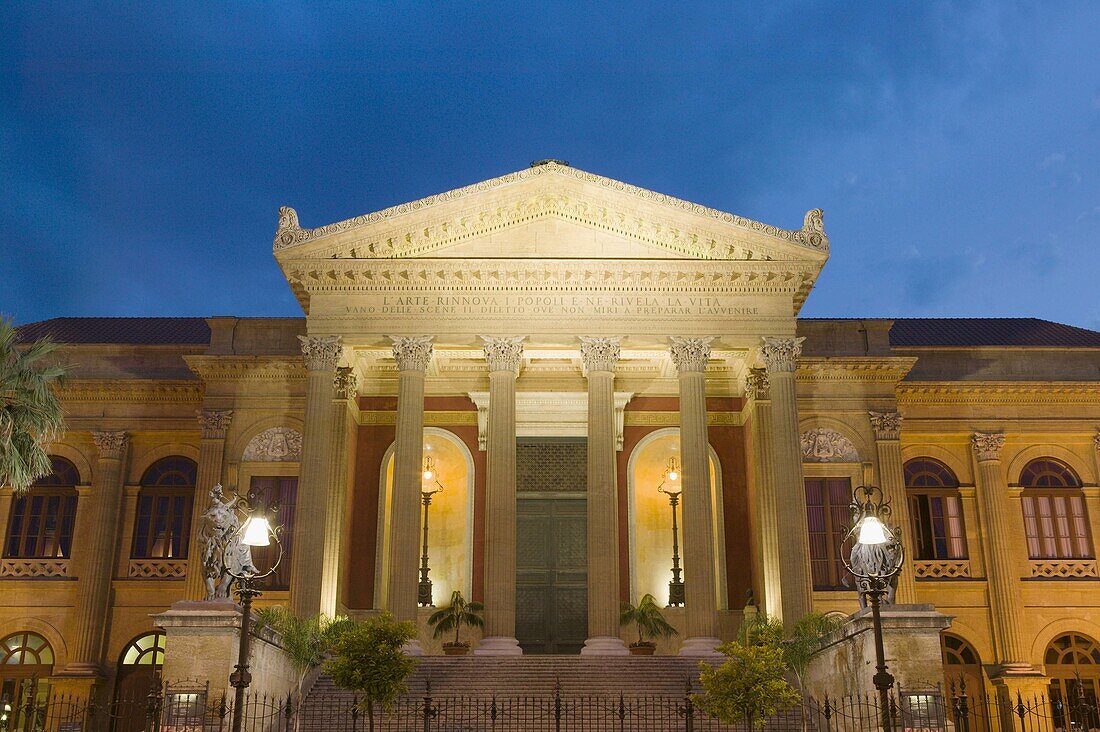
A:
(599, 356)
(413, 354)
(97, 531)
(343, 396)
(213, 424)
(780, 357)
(1005, 601)
(321, 354)
(891, 476)
(767, 500)
(701, 605)
(504, 355)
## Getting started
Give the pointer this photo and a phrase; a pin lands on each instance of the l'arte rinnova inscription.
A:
(648, 305)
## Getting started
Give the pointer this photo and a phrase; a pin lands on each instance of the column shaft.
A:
(600, 356)
(340, 433)
(213, 425)
(767, 502)
(408, 461)
(781, 354)
(503, 355)
(322, 353)
(891, 476)
(701, 603)
(1005, 601)
(99, 532)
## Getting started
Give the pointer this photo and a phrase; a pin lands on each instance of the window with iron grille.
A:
(827, 516)
(935, 510)
(162, 528)
(41, 522)
(1056, 522)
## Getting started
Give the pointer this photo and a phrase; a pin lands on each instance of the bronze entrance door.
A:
(551, 574)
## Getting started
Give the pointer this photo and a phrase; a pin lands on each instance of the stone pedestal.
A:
(911, 638)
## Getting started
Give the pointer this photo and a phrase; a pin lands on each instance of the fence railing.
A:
(194, 709)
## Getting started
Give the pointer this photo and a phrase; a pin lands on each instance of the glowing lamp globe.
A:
(256, 532)
(873, 532)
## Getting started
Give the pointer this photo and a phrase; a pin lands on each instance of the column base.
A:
(498, 645)
(413, 648)
(701, 648)
(604, 645)
(82, 670)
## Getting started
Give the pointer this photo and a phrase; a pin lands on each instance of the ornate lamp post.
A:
(429, 486)
(672, 487)
(875, 561)
(258, 529)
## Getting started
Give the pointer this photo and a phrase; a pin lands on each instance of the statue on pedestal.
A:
(221, 546)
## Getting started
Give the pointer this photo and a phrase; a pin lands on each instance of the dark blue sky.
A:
(955, 148)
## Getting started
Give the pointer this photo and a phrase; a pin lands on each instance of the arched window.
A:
(935, 510)
(138, 672)
(1069, 657)
(962, 671)
(163, 525)
(1055, 518)
(145, 650)
(41, 522)
(27, 649)
(26, 664)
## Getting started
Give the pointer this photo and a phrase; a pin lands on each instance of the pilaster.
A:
(767, 500)
(887, 429)
(213, 427)
(343, 397)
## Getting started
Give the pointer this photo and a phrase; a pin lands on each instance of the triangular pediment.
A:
(550, 211)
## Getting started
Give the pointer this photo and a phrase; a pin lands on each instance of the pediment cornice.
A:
(431, 224)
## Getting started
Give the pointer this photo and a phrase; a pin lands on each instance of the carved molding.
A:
(756, 383)
(456, 223)
(273, 445)
(1063, 568)
(344, 382)
(109, 444)
(823, 445)
(250, 368)
(999, 393)
(886, 425)
(941, 569)
(412, 353)
(781, 354)
(132, 391)
(213, 423)
(883, 369)
(321, 352)
(503, 353)
(987, 445)
(690, 354)
(157, 568)
(600, 354)
(34, 568)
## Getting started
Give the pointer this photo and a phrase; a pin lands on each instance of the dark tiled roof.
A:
(1024, 332)
(134, 331)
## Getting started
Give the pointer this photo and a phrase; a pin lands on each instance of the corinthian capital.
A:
(214, 422)
(887, 425)
(109, 444)
(503, 353)
(344, 382)
(600, 354)
(781, 354)
(321, 352)
(412, 353)
(987, 445)
(756, 383)
(690, 354)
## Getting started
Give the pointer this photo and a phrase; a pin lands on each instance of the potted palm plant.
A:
(453, 617)
(651, 623)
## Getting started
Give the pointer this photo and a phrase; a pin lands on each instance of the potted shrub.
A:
(651, 624)
(453, 617)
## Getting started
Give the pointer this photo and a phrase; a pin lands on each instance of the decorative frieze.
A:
(781, 354)
(1063, 569)
(690, 354)
(120, 391)
(600, 354)
(275, 444)
(34, 568)
(988, 445)
(109, 444)
(823, 445)
(756, 383)
(321, 352)
(503, 353)
(886, 425)
(412, 353)
(157, 569)
(942, 569)
(344, 382)
(213, 423)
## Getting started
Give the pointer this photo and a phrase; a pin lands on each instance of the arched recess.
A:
(143, 461)
(838, 427)
(1021, 459)
(960, 466)
(649, 518)
(43, 628)
(139, 667)
(962, 666)
(75, 456)
(1072, 662)
(1046, 635)
(450, 521)
(236, 453)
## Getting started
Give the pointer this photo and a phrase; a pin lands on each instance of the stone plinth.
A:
(911, 638)
(200, 646)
